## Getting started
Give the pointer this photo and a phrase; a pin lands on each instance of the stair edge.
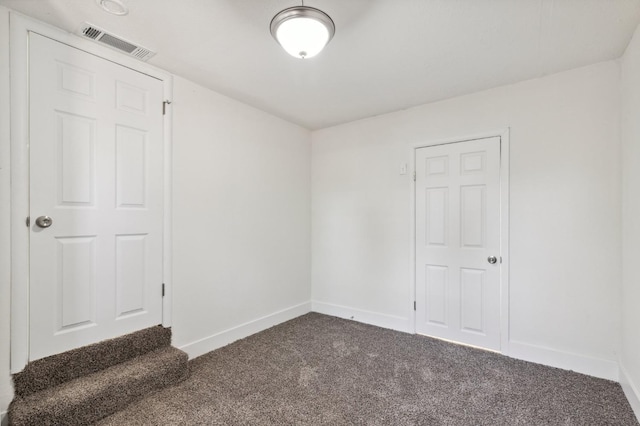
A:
(60, 368)
(108, 391)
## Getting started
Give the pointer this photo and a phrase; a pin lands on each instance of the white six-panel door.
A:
(457, 235)
(96, 169)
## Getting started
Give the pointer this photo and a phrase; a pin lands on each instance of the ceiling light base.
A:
(114, 7)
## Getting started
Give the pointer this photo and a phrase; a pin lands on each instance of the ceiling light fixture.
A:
(115, 7)
(302, 31)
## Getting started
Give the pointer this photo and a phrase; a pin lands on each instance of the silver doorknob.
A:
(44, 221)
(492, 259)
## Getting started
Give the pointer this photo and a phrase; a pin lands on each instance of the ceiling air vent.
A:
(101, 36)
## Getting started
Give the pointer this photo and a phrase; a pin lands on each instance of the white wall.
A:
(6, 389)
(241, 218)
(565, 210)
(630, 356)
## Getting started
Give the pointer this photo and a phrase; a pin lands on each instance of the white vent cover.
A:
(101, 36)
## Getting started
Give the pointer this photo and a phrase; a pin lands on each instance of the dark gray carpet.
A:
(84, 385)
(319, 370)
(87, 399)
(57, 369)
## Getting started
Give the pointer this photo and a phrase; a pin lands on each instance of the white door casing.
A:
(458, 292)
(96, 168)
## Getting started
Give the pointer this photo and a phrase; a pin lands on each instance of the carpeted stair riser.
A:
(57, 369)
(88, 399)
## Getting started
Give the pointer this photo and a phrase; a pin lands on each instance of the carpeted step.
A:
(87, 399)
(57, 369)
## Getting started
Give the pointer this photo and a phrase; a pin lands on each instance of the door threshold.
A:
(461, 343)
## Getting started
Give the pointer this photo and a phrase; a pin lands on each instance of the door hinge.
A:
(164, 107)
(414, 305)
(162, 289)
(28, 221)
(414, 176)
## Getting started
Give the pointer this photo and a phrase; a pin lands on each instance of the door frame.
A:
(503, 134)
(19, 28)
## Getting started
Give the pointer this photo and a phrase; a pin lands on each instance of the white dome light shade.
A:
(302, 37)
(302, 31)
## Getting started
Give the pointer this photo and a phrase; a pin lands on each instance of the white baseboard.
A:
(602, 368)
(218, 340)
(367, 317)
(631, 391)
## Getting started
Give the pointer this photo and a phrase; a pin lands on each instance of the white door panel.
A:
(457, 230)
(96, 168)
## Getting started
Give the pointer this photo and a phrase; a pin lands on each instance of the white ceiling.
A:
(386, 55)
